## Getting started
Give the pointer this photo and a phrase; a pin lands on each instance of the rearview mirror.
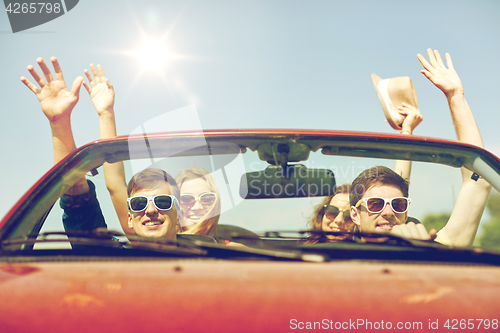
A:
(289, 181)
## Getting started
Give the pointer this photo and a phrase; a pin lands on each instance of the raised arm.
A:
(412, 119)
(57, 103)
(448, 81)
(103, 97)
(471, 200)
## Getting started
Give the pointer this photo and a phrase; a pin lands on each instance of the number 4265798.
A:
(24, 8)
(462, 324)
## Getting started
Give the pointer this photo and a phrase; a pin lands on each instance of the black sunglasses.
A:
(331, 213)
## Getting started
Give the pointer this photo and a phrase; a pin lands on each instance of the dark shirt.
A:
(82, 212)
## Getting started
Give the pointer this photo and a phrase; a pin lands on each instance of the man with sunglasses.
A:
(152, 204)
(379, 203)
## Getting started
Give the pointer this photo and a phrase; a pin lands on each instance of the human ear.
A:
(355, 215)
(130, 225)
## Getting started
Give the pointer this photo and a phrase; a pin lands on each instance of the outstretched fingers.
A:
(438, 58)
(96, 75)
(101, 73)
(45, 70)
(443, 77)
(424, 62)
(57, 69)
(30, 85)
(86, 86)
(96, 78)
(449, 62)
(427, 74)
(428, 68)
(35, 76)
(75, 89)
(432, 58)
(110, 86)
(89, 77)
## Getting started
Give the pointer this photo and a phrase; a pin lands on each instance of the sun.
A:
(153, 54)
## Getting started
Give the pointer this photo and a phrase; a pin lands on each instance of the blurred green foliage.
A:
(435, 221)
(490, 236)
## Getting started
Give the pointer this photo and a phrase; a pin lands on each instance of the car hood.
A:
(214, 296)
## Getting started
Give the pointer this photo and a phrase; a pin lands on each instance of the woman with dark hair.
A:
(333, 214)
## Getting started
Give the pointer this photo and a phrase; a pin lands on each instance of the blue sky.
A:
(248, 64)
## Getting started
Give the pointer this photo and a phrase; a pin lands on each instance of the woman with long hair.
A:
(332, 214)
(200, 204)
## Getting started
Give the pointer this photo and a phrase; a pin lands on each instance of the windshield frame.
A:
(342, 143)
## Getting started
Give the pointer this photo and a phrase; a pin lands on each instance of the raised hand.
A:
(57, 103)
(412, 118)
(55, 99)
(464, 221)
(100, 90)
(103, 97)
(446, 79)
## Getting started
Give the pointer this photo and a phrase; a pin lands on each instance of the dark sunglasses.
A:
(205, 199)
(331, 213)
(161, 202)
(376, 204)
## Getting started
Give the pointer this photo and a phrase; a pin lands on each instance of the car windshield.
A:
(272, 187)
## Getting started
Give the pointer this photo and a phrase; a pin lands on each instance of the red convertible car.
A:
(282, 275)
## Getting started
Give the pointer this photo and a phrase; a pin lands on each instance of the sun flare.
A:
(153, 54)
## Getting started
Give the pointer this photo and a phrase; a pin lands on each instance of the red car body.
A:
(242, 296)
